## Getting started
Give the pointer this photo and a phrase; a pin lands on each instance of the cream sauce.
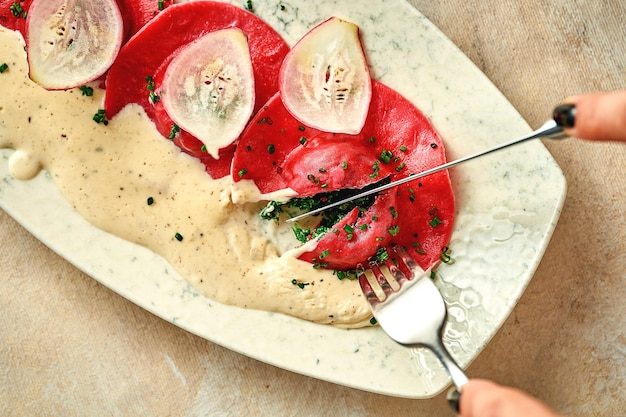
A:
(108, 173)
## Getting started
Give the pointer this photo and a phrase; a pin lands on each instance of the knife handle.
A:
(565, 115)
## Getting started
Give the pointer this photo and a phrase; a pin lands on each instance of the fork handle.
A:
(459, 379)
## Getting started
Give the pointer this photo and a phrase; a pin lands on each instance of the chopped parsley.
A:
(385, 156)
(271, 149)
(86, 90)
(394, 230)
(17, 10)
(153, 97)
(381, 255)
(300, 285)
(242, 172)
(349, 274)
(178, 237)
(150, 201)
(4, 67)
(175, 129)
(249, 6)
(100, 117)
(301, 234)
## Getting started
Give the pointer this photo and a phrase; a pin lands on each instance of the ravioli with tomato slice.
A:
(136, 74)
(281, 156)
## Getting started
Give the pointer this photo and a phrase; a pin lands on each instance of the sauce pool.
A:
(110, 173)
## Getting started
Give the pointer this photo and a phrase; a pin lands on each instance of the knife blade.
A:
(552, 129)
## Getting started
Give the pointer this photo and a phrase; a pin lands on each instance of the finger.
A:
(481, 398)
(599, 116)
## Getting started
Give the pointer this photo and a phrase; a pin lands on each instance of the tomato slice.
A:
(72, 44)
(325, 81)
(148, 53)
(277, 152)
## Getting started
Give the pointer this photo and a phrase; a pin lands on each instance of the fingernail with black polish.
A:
(565, 115)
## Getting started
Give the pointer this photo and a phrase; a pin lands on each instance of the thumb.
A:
(482, 398)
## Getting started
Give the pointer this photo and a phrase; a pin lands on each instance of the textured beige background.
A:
(69, 346)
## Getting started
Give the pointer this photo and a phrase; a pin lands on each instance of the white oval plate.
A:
(508, 205)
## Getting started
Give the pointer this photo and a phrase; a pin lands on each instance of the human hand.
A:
(482, 398)
(599, 116)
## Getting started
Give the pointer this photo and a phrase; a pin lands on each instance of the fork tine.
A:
(407, 260)
(381, 279)
(396, 271)
(366, 287)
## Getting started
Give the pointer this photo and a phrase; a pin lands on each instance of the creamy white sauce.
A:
(109, 172)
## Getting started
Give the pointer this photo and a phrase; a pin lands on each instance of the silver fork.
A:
(411, 311)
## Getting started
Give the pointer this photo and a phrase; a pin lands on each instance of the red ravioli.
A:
(136, 14)
(148, 52)
(277, 152)
(13, 14)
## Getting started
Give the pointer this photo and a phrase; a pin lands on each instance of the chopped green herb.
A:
(349, 274)
(380, 239)
(282, 7)
(272, 211)
(375, 218)
(433, 275)
(300, 285)
(302, 140)
(381, 255)
(301, 128)
(344, 164)
(400, 167)
(436, 221)
(372, 139)
(394, 230)
(445, 256)
(4, 67)
(301, 234)
(161, 5)
(203, 148)
(433, 145)
(178, 237)
(242, 172)
(324, 253)
(386, 156)
(17, 10)
(150, 201)
(402, 148)
(86, 90)
(271, 149)
(249, 6)
(394, 212)
(364, 226)
(349, 231)
(175, 129)
(375, 169)
(373, 321)
(322, 170)
(100, 117)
